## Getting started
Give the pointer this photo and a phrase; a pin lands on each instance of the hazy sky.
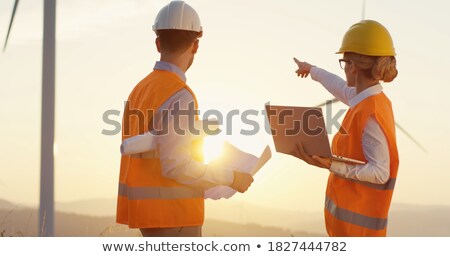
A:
(104, 47)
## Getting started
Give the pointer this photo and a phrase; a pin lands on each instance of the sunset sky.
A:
(105, 47)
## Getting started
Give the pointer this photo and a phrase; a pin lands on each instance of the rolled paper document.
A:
(243, 162)
(147, 141)
(138, 144)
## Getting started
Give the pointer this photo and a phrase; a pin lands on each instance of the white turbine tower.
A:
(46, 208)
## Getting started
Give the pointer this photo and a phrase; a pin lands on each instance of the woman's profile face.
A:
(349, 74)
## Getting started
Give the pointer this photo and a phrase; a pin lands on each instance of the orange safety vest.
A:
(355, 208)
(146, 199)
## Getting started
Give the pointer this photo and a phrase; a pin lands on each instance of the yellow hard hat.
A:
(368, 37)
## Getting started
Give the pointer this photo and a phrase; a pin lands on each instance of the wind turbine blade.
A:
(328, 102)
(410, 137)
(363, 10)
(16, 3)
(396, 124)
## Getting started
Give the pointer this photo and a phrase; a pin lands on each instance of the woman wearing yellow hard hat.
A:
(358, 196)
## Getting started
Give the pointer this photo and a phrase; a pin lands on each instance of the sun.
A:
(212, 147)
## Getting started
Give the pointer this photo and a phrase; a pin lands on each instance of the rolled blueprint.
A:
(147, 141)
(243, 162)
(138, 144)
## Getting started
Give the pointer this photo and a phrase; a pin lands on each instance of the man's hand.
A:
(241, 181)
(304, 68)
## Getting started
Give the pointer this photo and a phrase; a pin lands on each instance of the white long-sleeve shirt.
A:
(374, 143)
(175, 150)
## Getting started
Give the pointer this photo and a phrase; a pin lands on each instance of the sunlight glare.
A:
(212, 148)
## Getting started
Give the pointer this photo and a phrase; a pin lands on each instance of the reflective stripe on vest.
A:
(142, 193)
(389, 185)
(353, 217)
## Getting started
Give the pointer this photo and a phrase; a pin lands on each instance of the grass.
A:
(3, 232)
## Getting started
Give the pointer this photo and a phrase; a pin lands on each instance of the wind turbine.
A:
(46, 205)
(334, 100)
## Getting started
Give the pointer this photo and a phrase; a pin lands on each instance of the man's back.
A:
(147, 199)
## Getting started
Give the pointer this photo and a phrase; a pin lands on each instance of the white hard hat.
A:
(178, 15)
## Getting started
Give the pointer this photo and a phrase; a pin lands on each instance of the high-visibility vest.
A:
(146, 199)
(355, 208)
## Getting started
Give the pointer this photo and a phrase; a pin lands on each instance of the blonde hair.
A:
(377, 67)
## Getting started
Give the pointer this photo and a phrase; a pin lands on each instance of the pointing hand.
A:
(304, 68)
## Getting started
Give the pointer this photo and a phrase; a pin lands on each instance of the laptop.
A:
(290, 125)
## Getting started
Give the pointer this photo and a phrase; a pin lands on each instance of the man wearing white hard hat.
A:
(162, 192)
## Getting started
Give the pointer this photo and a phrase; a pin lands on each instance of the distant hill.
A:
(5, 205)
(24, 223)
(404, 219)
(229, 229)
(94, 207)
(412, 220)
(223, 218)
(232, 211)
